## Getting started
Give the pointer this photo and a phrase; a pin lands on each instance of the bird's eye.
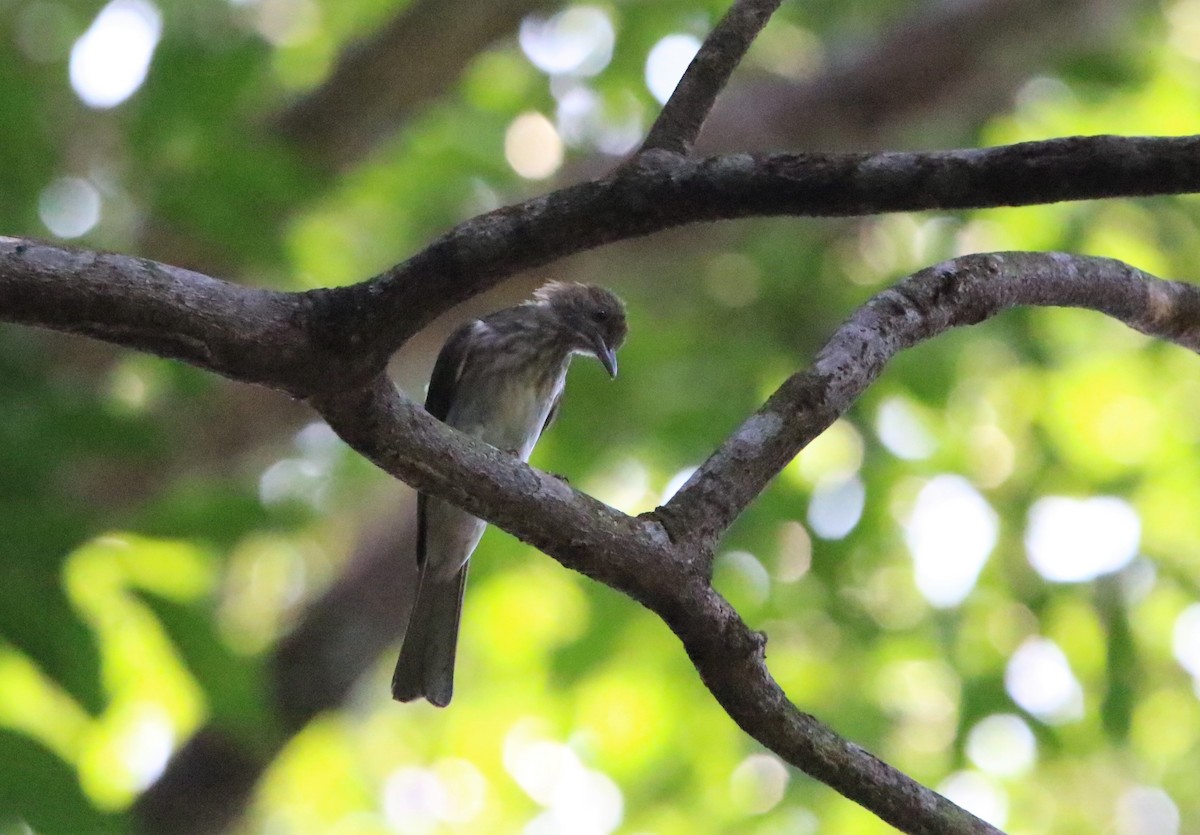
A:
(599, 314)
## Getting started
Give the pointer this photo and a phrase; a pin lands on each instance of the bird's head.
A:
(592, 317)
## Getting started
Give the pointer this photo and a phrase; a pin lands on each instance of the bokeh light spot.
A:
(412, 800)
(416, 799)
(795, 552)
(69, 207)
(837, 453)
(902, 431)
(742, 577)
(1147, 811)
(1039, 679)
(950, 534)
(623, 484)
(1186, 643)
(533, 147)
(732, 279)
(306, 478)
(576, 798)
(577, 41)
(977, 794)
(676, 482)
(1002, 744)
(1073, 540)
(836, 507)
(287, 22)
(147, 744)
(758, 783)
(993, 455)
(666, 63)
(110, 60)
(923, 696)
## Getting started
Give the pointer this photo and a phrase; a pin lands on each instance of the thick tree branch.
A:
(730, 658)
(977, 53)
(381, 81)
(679, 122)
(670, 573)
(404, 440)
(634, 556)
(962, 291)
(240, 332)
(329, 340)
(662, 190)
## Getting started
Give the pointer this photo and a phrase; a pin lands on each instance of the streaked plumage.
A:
(499, 379)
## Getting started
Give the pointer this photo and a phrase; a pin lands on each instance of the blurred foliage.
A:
(141, 592)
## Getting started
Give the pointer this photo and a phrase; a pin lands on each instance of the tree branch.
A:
(669, 574)
(165, 310)
(730, 658)
(659, 191)
(962, 291)
(666, 566)
(636, 557)
(382, 80)
(679, 122)
(330, 340)
(402, 439)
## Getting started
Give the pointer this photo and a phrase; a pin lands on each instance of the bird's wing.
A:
(553, 413)
(442, 385)
(447, 371)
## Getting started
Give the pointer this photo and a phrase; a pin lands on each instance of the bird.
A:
(500, 379)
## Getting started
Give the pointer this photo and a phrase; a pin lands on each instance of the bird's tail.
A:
(426, 665)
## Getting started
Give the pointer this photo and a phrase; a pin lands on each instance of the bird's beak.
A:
(607, 357)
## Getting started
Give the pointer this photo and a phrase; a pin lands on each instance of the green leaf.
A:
(37, 618)
(39, 789)
(232, 683)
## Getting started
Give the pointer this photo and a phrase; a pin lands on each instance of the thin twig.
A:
(683, 115)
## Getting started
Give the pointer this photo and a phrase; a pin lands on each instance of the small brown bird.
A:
(499, 379)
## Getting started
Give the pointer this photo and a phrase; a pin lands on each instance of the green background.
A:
(161, 530)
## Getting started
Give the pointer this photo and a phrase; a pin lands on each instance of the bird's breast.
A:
(507, 411)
